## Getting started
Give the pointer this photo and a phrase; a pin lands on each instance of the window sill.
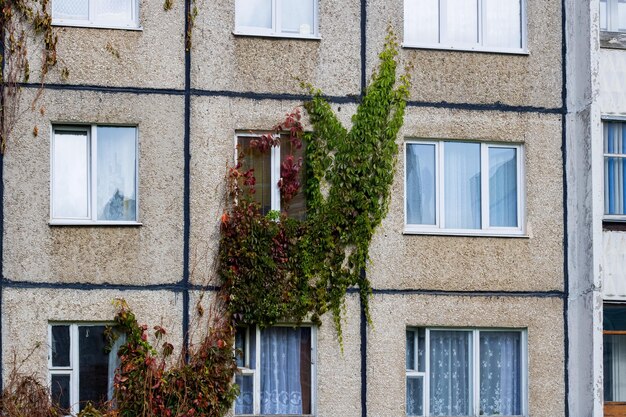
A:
(92, 223)
(279, 36)
(465, 233)
(612, 40)
(88, 25)
(480, 49)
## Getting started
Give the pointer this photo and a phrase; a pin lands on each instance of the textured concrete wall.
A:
(150, 254)
(391, 315)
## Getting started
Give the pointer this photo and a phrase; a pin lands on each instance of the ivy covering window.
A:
(81, 365)
(120, 14)
(613, 15)
(268, 173)
(94, 175)
(277, 368)
(465, 372)
(463, 187)
(488, 25)
(615, 170)
(283, 18)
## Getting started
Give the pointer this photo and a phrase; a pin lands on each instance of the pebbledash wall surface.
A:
(187, 107)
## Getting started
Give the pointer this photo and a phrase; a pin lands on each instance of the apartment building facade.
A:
(120, 194)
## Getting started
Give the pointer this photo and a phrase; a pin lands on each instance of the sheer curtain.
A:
(450, 370)
(500, 373)
(462, 185)
(281, 390)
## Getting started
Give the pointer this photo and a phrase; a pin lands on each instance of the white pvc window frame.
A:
(277, 28)
(73, 370)
(256, 373)
(91, 132)
(611, 16)
(93, 21)
(605, 154)
(474, 365)
(486, 230)
(478, 47)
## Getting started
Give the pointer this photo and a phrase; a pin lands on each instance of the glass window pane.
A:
(615, 185)
(421, 21)
(420, 184)
(415, 396)
(462, 22)
(254, 13)
(117, 163)
(500, 374)
(502, 25)
(503, 187)
(60, 346)
(615, 368)
(614, 317)
(60, 391)
(410, 350)
(421, 350)
(70, 9)
(621, 15)
(70, 196)
(94, 365)
(462, 185)
(244, 404)
(450, 373)
(296, 208)
(240, 345)
(113, 11)
(297, 16)
(286, 370)
(603, 15)
(251, 158)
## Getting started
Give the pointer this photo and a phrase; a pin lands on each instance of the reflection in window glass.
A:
(60, 346)
(71, 175)
(420, 183)
(502, 187)
(254, 13)
(298, 16)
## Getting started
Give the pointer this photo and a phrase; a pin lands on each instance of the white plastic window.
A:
(94, 175)
(482, 25)
(281, 18)
(115, 14)
(81, 364)
(454, 187)
(613, 15)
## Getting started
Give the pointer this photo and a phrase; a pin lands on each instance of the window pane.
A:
(462, 185)
(60, 346)
(60, 391)
(603, 15)
(415, 396)
(462, 22)
(286, 370)
(502, 26)
(503, 187)
(420, 184)
(614, 367)
(296, 208)
(116, 173)
(621, 15)
(70, 9)
(113, 11)
(615, 184)
(261, 164)
(240, 345)
(450, 373)
(421, 24)
(410, 350)
(421, 350)
(298, 16)
(244, 404)
(255, 13)
(500, 374)
(70, 197)
(614, 317)
(94, 365)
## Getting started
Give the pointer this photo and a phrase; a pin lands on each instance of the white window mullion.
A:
(521, 188)
(257, 372)
(476, 373)
(75, 363)
(443, 22)
(276, 16)
(92, 140)
(427, 373)
(484, 186)
(314, 370)
(275, 176)
(92, 11)
(441, 218)
(480, 11)
(524, 370)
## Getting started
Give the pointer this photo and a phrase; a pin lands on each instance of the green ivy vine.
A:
(275, 268)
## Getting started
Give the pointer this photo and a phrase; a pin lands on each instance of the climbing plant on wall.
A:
(276, 268)
(23, 24)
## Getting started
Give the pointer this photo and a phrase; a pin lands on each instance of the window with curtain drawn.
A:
(281, 18)
(465, 372)
(485, 25)
(463, 187)
(114, 14)
(268, 171)
(277, 370)
(614, 170)
(614, 364)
